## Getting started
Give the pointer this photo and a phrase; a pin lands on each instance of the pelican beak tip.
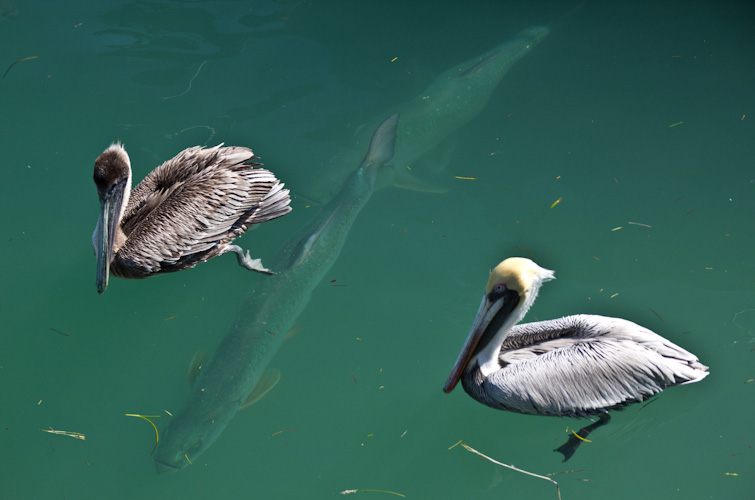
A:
(449, 386)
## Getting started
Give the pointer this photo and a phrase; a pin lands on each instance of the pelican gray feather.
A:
(187, 210)
(572, 366)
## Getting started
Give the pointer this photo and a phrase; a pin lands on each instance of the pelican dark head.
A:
(110, 168)
(112, 176)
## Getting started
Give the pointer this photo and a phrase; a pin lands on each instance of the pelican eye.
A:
(115, 186)
(497, 291)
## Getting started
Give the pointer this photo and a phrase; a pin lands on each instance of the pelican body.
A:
(187, 210)
(572, 366)
(232, 377)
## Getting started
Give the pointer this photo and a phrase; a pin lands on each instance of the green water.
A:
(631, 112)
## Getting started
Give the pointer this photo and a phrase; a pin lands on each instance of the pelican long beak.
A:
(104, 234)
(491, 315)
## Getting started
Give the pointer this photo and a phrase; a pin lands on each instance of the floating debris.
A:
(472, 450)
(349, 492)
(648, 403)
(13, 64)
(75, 435)
(281, 432)
(157, 436)
(190, 83)
(522, 248)
(659, 316)
(565, 472)
(580, 437)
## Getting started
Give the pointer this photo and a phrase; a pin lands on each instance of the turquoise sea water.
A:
(629, 112)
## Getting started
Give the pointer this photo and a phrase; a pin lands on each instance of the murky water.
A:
(637, 116)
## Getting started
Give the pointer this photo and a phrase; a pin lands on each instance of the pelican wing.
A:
(190, 205)
(581, 365)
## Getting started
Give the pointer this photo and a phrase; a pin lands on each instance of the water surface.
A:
(629, 112)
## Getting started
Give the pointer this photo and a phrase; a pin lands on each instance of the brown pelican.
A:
(573, 366)
(187, 210)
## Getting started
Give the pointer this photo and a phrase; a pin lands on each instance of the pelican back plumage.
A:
(572, 366)
(187, 210)
(581, 365)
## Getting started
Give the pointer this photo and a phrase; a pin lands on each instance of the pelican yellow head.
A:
(518, 274)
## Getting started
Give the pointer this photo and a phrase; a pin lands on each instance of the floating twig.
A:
(157, 436)
(349, 492)
(565, 472)
(20, 60)
(280, 432)
(580, 437)
(530, 253)
(659, 316)
(648, 403)
(190, 82)
(212, 132)
(470, 449)
(75, 435)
